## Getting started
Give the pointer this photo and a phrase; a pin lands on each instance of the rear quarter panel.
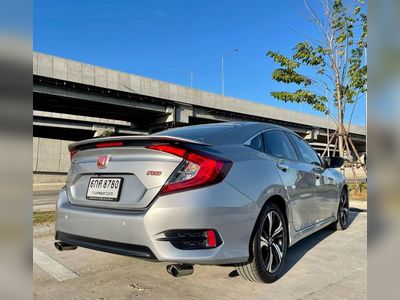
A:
(254, 174)
(340, 181)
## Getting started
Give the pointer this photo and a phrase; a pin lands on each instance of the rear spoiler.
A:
(129, 140)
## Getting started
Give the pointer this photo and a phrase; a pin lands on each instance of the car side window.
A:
(278, 144)
(307, 154)
(256, 143)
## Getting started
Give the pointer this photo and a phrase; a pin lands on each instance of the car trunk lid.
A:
(139, 172)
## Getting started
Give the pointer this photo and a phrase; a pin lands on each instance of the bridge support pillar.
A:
(182, 114)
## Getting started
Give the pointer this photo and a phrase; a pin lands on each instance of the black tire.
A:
(261, 268)
(342, 222)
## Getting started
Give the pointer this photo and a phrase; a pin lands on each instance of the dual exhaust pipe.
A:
(176, 270)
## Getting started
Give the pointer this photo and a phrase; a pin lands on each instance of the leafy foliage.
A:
(288, 75)
(317, 102)
(335, 64)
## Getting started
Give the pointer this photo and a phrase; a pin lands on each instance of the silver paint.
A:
(310, 193)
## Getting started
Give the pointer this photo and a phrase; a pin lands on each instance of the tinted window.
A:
(196, 132)
(257, 143)
(307, 154)
(277, 144)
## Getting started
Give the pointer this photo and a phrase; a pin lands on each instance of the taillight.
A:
(73, 151)
(109, 144)
(198, 169)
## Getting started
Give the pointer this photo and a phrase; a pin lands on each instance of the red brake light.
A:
(199, 169)
(169, 149)
(109, 144)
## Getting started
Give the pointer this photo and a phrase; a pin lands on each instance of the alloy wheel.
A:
(344, 210)
(272, 243)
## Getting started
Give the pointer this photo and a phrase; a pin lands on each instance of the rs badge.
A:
(154, 173)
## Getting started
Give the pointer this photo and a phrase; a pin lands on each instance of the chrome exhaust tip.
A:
(61, 246)
(179, 270)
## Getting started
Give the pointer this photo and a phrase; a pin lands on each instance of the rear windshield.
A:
(198, 132)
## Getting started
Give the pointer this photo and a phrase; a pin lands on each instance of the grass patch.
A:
(44, 217)
(362, 195)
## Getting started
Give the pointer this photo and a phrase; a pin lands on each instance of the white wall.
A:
(50, 157)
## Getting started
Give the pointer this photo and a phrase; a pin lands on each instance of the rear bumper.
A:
(139, 233)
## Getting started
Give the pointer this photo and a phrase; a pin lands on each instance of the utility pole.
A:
(222, 70)
(366, 111)
(191, 78)
(327, 124)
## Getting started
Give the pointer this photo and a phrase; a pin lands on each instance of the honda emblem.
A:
(102, 161)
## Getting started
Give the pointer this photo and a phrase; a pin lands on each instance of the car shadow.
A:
(298, 250)
(356, 209)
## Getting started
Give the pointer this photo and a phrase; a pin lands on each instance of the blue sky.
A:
(163, 39)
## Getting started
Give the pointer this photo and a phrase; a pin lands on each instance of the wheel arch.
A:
(282, 204)
(345, 187)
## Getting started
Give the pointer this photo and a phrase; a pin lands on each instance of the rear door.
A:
(297, 177)
(326, 191)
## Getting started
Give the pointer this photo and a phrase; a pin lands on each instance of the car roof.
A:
(220, 133)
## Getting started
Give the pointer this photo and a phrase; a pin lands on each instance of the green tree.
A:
(335, 61)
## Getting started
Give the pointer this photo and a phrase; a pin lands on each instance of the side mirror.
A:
(333, 162)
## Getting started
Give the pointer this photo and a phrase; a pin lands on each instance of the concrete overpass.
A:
(71, 100)
(143, 105)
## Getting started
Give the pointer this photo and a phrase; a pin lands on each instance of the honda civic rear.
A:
(223, 194)
(157, 197)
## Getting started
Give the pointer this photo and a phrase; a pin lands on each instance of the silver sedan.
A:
(221, 194)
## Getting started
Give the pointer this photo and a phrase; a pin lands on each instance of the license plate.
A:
(104, 188)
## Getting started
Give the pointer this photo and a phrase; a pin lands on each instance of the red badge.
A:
(102, 161)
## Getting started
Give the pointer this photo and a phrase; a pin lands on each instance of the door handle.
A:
(317, 175)
(282, 167)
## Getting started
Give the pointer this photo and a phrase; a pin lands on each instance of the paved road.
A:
(326, 265)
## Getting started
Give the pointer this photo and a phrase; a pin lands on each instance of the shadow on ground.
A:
(358, 210)
(298, 250)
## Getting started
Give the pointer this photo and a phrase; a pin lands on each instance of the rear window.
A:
(198, 132)
(257, 143)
